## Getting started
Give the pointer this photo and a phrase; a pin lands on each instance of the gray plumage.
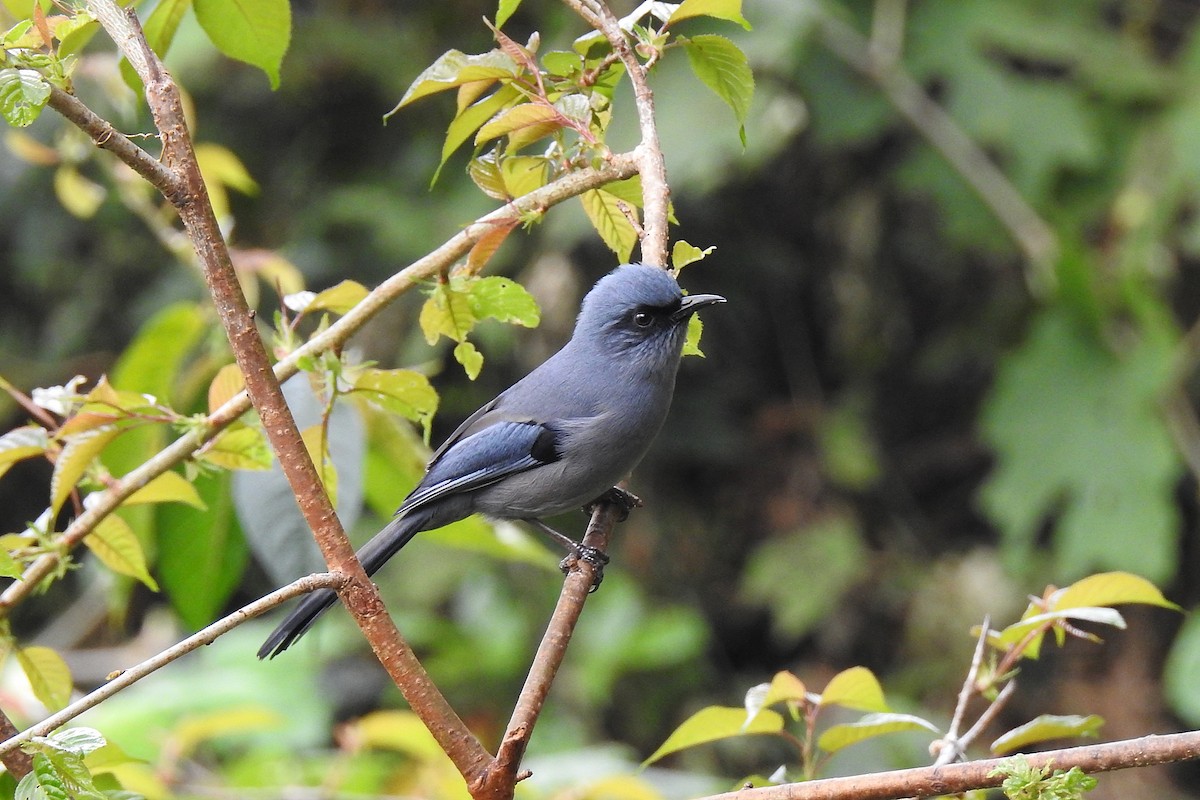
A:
(557, 439)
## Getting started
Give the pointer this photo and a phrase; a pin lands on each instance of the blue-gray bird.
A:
(559, 438)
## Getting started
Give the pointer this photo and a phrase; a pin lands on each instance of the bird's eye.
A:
(642, 319)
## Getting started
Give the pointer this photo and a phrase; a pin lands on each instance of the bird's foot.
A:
(592, 555)
(624, 500)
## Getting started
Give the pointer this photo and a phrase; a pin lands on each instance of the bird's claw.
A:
(624, 500)
(592, 555)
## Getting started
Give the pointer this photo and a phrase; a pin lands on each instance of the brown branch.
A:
(503, 774)
(953, 778)
(1032, 234)
(189, 196)
(656, 194)
(208, 635)
(16, 761)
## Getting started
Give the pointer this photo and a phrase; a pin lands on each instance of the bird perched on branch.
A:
(559, 438)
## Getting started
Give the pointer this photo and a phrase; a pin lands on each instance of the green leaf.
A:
(470, 358)
(713, 724)
(9, 568)
(80, 196)
(238, 447)
(522, 174)
(80, 740)
(20, 443)
(485, 172)
(545, 118)
(604, 211)
(695, 329)
(152, 361)
(43, 783)
(257, 33)
(48, 675)
(839, 736)
(317, 445)
(1019, 630)
(338, 299)
(504, 300)
(77, 455)
(402, 391)
(1079, 434)
(505, 10)
(784, 687)
(1046, 727)
(683, 254)
(856, 688)
(1109, 589)
(471, 118)
(23, 95)
(447, 312)
(454, 68)
(117, 546)
(169, 487)
(201, 554)
(721, 66)
(730, 10)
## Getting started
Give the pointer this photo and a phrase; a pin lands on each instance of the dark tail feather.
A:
(374, 553)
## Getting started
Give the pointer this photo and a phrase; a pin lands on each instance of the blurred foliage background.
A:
(908, 417)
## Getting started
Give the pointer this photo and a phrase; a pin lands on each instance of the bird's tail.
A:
(373, 554)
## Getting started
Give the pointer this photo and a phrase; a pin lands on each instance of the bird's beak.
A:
(693, 303)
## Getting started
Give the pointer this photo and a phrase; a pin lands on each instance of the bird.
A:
(560, 438)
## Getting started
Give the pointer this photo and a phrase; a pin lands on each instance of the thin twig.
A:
(127, 677)
(951, 746)
(989, 714)
(1032, 234)
(953, 778)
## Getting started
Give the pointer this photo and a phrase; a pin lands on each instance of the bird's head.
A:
(639, 310)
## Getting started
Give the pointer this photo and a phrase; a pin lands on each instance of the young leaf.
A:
(1046, 727)
(721, 66)
(169, 487)
(257, 33)
(470, 358)
(447, 312)
(487, 245)
(338, 299)
(504, 300)
(317, 445)
(81, 740)
(402, 391)
(48, 675)
(523, 174)
(546, 119)
(855, 688)
(1109, 589)
(454, 68)
(713, 724)
(730, 10)
(783, 687)
(77, 454)
(695, 329)
(469, 119)
(23, 95)
(117, 546)
(226, 384)
(839, 736)
(80, 196)
(21, 443)
(505, 10)
(238, 447)
(399, 731)
(9, 568)
(683, 254)
(604, 211)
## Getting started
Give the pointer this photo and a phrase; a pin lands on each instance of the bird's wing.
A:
(503, 448)
(462, 430)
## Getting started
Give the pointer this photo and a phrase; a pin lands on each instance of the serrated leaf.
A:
(76, 456)
(855, 688)
(839, 736)
(169, 487)
(238, 447)
(505, 300)
(505, 10)
(721, 66)
(784, 687)
(523, 174)
(1046, 727)
(23, 95)
(470, 358)
(485, 173)
(49, 676)
(338, 299)
(683, 253)
(730, 10)
(226, 384)
(603, 210)
(469, 120)
(525, 115)
(714, 723)
(79, 740)
(454, 68)
(257, 33)
(486, 246)
(402, 391)
(117, 546)
(1109, 589)
(43, 783)
(20, 443)
(447, 312)
(691, 345)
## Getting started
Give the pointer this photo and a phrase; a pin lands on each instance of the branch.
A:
(127, 677)
(656, 194)
(16, 761)
(1033, 235)
(954, 778)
